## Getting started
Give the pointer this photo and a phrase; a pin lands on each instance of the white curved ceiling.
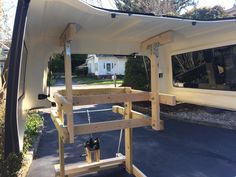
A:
(100, 33)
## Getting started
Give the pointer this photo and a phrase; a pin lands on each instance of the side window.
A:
(21, 90)
(96, 67)
(213, 68)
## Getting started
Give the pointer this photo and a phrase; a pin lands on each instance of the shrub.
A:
(81, 71)
(10, 166)
(33, 122)
(2, 114)
(57, 62)
(136, 75)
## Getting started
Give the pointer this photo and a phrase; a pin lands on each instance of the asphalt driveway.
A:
(181, 150)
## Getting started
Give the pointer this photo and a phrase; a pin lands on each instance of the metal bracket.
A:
(155, 49)
(161, 39)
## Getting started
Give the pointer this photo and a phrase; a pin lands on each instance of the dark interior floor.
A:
(181, 150)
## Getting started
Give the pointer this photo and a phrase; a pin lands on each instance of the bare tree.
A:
(1, 17)
(158, 7)
(5, 29)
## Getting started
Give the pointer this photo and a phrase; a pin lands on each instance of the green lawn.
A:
(93, 81)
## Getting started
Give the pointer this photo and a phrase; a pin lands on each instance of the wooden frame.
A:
(66, 99)
(133, 119)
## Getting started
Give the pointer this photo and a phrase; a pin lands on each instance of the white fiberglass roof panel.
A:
(100, 33)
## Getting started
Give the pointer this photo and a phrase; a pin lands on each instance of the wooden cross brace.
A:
(69, 33)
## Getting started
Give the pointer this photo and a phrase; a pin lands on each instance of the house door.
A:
(108, 68)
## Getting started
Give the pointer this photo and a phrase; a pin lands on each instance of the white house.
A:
(3, 56)
(106, 65)
(231, 11)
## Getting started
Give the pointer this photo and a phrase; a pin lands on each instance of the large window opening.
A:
(213, 68)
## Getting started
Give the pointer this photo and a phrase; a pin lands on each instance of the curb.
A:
(210, 124)
(179, 118)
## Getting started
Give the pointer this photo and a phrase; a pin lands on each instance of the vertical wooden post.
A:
(68, 82)
(97, 155)
(157, 124)
(88, 156)
(60, 113)
(128, 137)
(61, 155)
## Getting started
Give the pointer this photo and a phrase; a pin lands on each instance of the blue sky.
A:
(224, 3)
(202, 3)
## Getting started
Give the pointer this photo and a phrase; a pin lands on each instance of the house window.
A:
(112, 65)
(213, 68)
(104, 66)
(96, 67)
(108, 67)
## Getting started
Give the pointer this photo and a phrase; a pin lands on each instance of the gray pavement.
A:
(182, 150)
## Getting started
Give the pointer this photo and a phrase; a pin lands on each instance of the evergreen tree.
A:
(137, 73)
(206, 13)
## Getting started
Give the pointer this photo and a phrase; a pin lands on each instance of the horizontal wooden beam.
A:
(167, 99)
(69, 33)
(110, 95)
(83, 168)
(110, 98)
(95, 91)
(161, 39)
(113, 98)
(63, 102)
(134, 114)
(137, 172)
(111, 125)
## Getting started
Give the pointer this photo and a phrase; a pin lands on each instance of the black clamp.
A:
(92, 144)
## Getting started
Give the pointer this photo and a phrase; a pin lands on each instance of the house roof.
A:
(108, 31)
(231, 11)
(103, 56)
